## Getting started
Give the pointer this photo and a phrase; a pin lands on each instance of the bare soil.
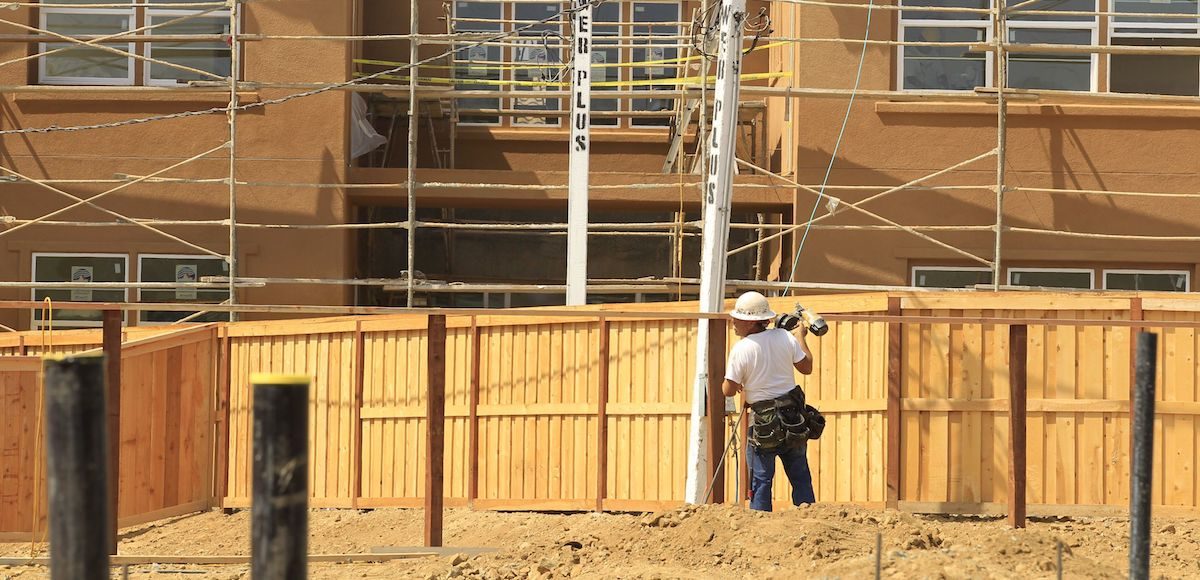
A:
(691, 542)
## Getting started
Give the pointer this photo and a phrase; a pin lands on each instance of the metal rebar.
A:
(1141, 473)
(77, 467)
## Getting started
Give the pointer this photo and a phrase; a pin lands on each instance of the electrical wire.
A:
(836, 146)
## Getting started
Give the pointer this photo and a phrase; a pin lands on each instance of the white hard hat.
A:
(752, 306)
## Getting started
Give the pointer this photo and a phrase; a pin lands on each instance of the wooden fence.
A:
(583, 413)
(166, 434)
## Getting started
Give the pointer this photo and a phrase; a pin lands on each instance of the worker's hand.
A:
(801, 330)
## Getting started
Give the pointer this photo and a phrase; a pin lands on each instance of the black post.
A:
(279, 512)
(77, 467)
(1143, 457)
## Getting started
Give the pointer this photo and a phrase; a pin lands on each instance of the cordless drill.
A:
(789, 321)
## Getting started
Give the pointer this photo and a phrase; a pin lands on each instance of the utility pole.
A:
(718, 195)
(577, 191)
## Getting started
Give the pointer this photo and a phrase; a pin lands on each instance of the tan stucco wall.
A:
(300, 141)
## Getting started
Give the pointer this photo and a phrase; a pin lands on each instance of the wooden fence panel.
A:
(166, 435)
(19, 404)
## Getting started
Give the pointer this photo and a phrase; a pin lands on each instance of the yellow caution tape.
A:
(638, 83)
(635, 64)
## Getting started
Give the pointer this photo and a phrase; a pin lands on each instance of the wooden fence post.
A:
(602, 420)
(356, 405)
(473, 415)
(111, 338)
(224, 386)
(718, 335)
(1017, 377)
(435, 429)
(895, 363)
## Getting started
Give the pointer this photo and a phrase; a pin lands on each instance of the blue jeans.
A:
(761, 463)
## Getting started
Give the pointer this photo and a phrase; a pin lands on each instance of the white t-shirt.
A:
(762, 364)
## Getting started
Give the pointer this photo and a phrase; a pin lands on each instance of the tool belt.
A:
(785, 421)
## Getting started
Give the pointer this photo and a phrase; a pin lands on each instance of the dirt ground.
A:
(691, 542)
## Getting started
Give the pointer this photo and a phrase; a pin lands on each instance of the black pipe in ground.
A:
(1141, 472)
(76, 421)
(279, 512)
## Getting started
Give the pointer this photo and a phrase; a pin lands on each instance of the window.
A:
(654, 19)
(532, 62)
(950, 67)
(1052, 278)
(78, 268)
(538, 60)
(1152, 280)
(1148, 73)
(1068, 72)
(479, 63)
(949, 276)
(175, 268)
(75, 64)
(955, 67)
(606, 61)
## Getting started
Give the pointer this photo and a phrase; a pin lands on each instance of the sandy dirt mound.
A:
(689, 542)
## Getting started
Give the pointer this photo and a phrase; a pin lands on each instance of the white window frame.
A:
(1093, 26)
(150, 13)
(989, 34)
(619, 70)
(46, 79)
(985, 23)
(141, 261)
(1165, 27)
(555, 122)
(36, 324)
(913, 272)
(503, 51)
(1090, 271)
(1187, 276)
(680, 67)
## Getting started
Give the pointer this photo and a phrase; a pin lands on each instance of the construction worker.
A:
(761, 367)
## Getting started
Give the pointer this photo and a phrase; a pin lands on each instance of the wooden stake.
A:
(356, 406)
(435, 429)
(718, 334)
(473, 416)
(1017, 377)
(602, 420)
(112, 356)
(895, 362)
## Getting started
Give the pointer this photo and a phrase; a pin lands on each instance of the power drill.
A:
(790, 321)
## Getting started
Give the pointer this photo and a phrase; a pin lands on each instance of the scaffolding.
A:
(431, 91)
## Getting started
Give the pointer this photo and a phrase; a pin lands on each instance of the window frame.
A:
(1187, 277)
(44, 13)
(555, 122)
(1090, 271)
(139, 14)
(989, 58)
(986, 24)
(1165, 26)
(913, 272)
(35, 324)
(148, 50)
(140, 260)
(1093, 58)
(500, 101)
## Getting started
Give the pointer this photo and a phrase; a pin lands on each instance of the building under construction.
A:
(290, 154)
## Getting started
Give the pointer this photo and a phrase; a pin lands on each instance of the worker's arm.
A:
(805, 366)
(730, 388)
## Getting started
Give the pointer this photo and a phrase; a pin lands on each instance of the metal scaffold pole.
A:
(234, 66)
(718, 194)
